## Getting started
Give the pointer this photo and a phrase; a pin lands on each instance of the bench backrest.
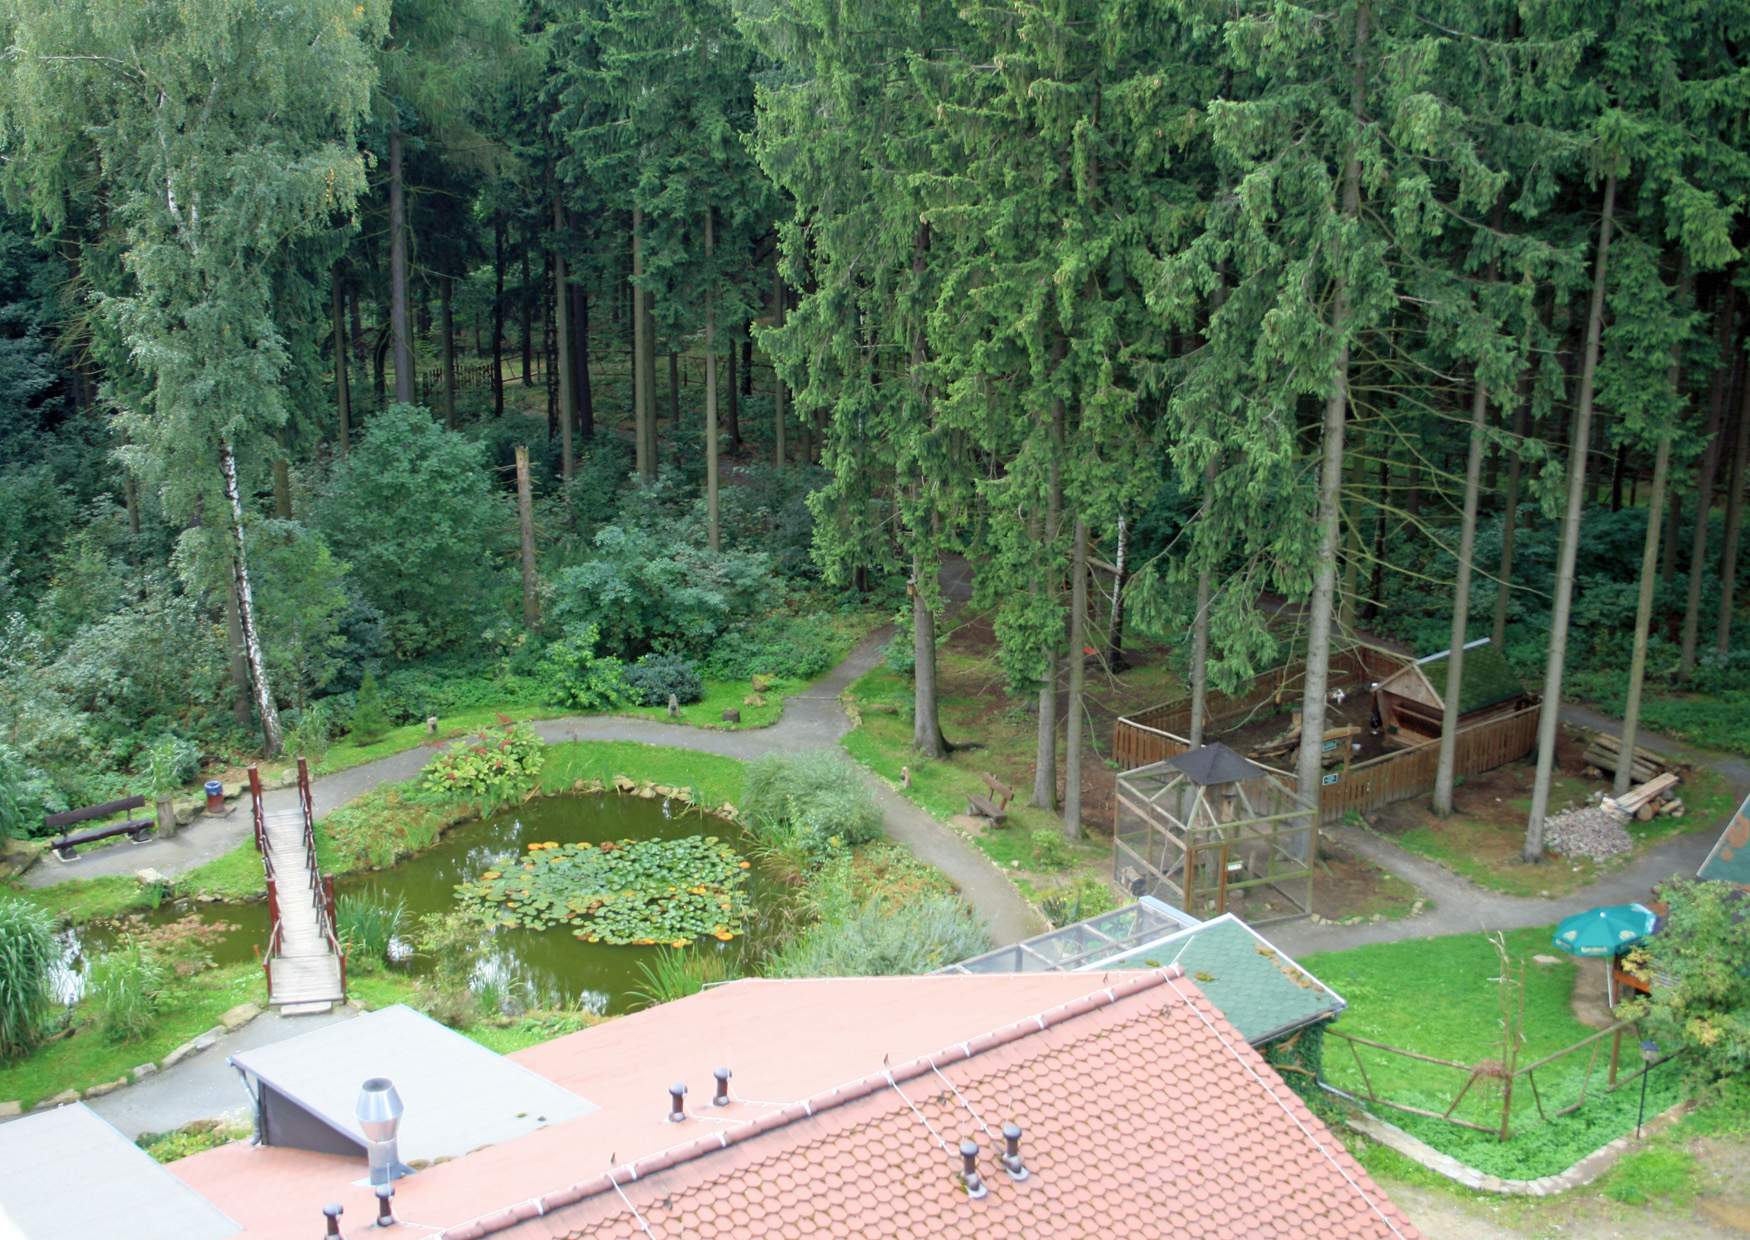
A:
(67, 818)
(998, 789)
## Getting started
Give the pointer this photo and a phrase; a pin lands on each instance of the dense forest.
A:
(361, 362)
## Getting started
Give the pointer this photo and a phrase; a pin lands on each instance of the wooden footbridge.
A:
(304, 963)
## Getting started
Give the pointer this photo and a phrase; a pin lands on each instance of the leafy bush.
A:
(370, 719)
(779, 645)
(124, 987)
(490, 768)
(877, 940)
(1087, 896)
(655, 676)
(23, 793)
(1050, 851)
(367, 924)
(168, 763)
(574, 675)
(28, 955)
(1703, 995)
(677, 972)
(814, 803)
(308, 737)
(899, 655)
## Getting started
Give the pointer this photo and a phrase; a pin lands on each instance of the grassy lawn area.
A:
(1441, 997)
(188, 1007)
(1483, 839)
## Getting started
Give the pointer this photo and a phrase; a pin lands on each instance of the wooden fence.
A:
(1160, 733)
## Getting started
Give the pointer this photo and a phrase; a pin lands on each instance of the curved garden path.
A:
(813, 718)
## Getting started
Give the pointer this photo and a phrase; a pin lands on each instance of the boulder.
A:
(239, 1016)
(108, 1087)
(9, 1109)
(731, 715)
(761, 682)
(754, 699)
(143, 1071)
(59, 1100)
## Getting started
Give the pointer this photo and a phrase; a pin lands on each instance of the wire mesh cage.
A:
(1211, 832)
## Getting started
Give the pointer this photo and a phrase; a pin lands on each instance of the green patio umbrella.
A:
(1605, 931)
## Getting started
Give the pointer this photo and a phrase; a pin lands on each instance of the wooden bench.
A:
(135, 828)
(996, 807)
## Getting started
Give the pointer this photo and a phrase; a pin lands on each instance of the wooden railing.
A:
(317, 889)
(1160, 733)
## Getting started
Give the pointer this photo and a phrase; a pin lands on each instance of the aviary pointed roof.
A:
(1215, 763)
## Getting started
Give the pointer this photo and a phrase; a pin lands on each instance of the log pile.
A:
(1656, 796)
(1605, 753)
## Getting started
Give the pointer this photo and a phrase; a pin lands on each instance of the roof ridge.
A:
(612, 1179)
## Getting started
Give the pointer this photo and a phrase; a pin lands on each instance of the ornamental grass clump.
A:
(812, 806)
(124, 988)
(676, 972)
(368, 923)
(28, 956)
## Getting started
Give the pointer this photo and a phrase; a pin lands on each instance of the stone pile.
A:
(1595, 832)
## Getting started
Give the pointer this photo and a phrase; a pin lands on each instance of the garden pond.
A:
(554, 965)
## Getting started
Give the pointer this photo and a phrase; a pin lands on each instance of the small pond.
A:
(548, 968)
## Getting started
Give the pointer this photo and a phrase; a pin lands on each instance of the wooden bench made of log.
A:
(135, 828)
(996, 807)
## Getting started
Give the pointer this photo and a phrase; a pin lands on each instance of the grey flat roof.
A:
(459, 1095)
(67, 1172)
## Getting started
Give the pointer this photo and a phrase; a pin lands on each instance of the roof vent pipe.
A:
(1012, 1152)
(721, 1099)
(975, 1188)
(677, 1109)
(379, 1112)
(333, 1213)
(385, 1215)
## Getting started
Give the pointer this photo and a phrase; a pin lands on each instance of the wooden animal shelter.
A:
(1412, 700)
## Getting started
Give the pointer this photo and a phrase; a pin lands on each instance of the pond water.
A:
(546, 968)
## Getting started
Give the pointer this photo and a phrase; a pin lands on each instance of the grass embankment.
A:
(1484, 839)
(1441, 997)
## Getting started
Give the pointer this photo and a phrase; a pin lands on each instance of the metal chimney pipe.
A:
(333, 1213)
(677, 1109)
(975, 1188)
(721, 1098)
(379, 1112)
(385, 1215)
(1012, 1152)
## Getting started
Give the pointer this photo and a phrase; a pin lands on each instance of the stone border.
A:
(1581, 1173)
(230, 1022)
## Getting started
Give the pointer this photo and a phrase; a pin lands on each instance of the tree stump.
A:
(731, 715)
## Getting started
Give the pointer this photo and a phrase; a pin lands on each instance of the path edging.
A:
(1581, 1173)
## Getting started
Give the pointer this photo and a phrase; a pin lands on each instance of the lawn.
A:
(1484, 839)
(1441, 997)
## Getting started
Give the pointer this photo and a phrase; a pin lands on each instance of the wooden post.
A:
(526, 517)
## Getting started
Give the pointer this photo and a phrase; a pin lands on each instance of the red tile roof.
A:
(1142, 1110)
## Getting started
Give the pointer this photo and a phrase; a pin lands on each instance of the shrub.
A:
(876, 940)
(1050, 851)
(802, 647)
(124, 987)
(574, 675)
(308, 737)
(900, 653)
(367, 924)
(370, 717)
(23, 794)
(489, 768)
(168, 763)
(1699, 1005)
(677, 972)
(655, 676)
(28, 955)
(816, 803)
(1087, 896)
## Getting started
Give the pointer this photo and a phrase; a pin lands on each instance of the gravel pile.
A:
(1591, 831)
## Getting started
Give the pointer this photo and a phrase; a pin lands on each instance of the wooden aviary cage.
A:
(1211, 832)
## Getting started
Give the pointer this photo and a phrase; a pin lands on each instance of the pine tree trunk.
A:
(360, 347)
(1618, 476)
(1550, 717)
(734, 394)
(241, 712)
(1115, 660)
(580, 382)
(1510, 513)
(1673, 527)
(525, 509)
(711, 388)
(566, 413)
(1704, 482)
(1467, 538)
(498, 316)
(1734, 525)
(778, 299)
(1309, 763)
(272, 740)
(1200, 629)
(282, 489)
(1637, 669)
(399, 330)
(446, 300)
(674, 388)
(926, 726)
(1072, 743)
(528, 312)
(342, 396)
(1045, 745)
(640, 344)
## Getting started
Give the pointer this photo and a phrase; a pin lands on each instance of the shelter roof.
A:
(1729, 862)
(1215, 763)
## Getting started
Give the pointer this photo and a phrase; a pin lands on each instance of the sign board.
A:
(1331, 778)
(1327, 746)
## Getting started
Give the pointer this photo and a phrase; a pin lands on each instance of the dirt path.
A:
(813, 719)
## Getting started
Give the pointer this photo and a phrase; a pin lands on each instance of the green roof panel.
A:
(1488, 679)
(1729, 862)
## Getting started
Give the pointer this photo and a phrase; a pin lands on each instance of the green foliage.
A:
(190, 1139)
(489, 768)
(676, 972)
(411, 507)
(630, 891)
(1088, 895)
(799, 646)
(124, 986)
(654, 677)
(812, 804)
(370, 719)
(1050, 850)
(28, 954)
(23, 792)
(1657, 1172)
(1701, 1005)
(876, 940)
(367, 923)
(309, 736)
(169, 764)
(573, 674)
